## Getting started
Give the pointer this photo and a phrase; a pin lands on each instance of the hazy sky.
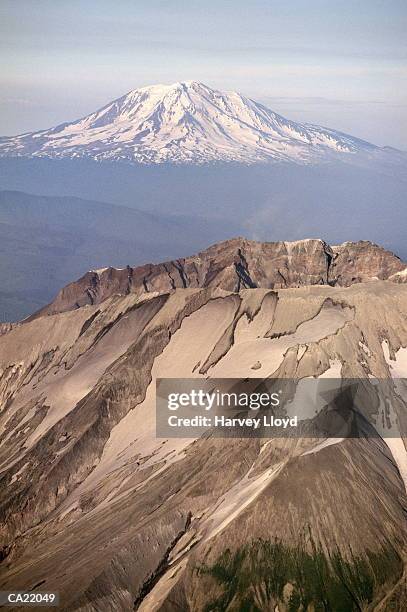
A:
(341, 63)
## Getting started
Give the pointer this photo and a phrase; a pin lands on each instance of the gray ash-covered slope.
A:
(94, 505)
(236, 264)
(190, 123)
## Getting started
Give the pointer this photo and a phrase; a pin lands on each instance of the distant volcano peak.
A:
(186, 122)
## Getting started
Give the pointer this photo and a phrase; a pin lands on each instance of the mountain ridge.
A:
(188, 123)
(235, 264)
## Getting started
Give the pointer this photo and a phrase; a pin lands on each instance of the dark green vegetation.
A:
(264, 574)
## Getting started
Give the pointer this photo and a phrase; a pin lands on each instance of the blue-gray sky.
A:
(341, 63)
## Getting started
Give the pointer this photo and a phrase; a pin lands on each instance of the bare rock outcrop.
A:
(6, 327)
(356, 262)
(237, 264)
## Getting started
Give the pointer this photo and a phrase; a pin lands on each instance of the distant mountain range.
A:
(47, 241)
(189, 123)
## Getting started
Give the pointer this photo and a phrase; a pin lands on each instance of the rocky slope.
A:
(94, 505)
(236, 264)
(190, 123)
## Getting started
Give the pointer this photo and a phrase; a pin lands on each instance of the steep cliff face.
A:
(237, 264)
(355, 262)
(94, 505)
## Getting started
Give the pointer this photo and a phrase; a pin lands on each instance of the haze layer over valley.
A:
(47, 241)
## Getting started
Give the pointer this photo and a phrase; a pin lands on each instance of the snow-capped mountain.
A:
(185, 122)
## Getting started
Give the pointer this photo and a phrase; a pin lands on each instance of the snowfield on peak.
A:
(186, 123)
